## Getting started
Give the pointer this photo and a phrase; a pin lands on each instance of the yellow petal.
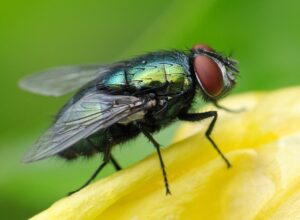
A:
(262, 143)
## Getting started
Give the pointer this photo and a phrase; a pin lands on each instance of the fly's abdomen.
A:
(86, 147)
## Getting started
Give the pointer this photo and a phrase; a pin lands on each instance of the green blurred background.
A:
(263, 35)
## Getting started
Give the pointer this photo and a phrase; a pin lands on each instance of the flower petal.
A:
(262, 143)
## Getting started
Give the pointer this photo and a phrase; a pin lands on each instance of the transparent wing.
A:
(60, 81)
(91, 113)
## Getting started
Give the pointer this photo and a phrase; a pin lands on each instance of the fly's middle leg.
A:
(157, 147)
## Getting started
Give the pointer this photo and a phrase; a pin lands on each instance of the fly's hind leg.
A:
(202, 116)
(115, 163)
(107, 152)
(107, 158)
(102, 165)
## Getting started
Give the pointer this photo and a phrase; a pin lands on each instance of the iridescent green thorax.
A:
(154, 71)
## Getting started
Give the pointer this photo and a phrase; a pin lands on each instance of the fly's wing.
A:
(91, 113)
(60, 81)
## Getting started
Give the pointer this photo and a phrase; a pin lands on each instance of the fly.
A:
(117, 102)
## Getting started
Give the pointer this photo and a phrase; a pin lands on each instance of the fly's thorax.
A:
(163, 72)
(116, 79)
(158, 73)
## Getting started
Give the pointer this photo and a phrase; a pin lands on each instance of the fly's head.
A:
(216, 74)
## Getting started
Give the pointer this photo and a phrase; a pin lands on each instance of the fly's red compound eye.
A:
(209, 75)
(203, 47)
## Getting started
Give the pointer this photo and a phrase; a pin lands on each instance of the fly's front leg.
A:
(202, 116)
